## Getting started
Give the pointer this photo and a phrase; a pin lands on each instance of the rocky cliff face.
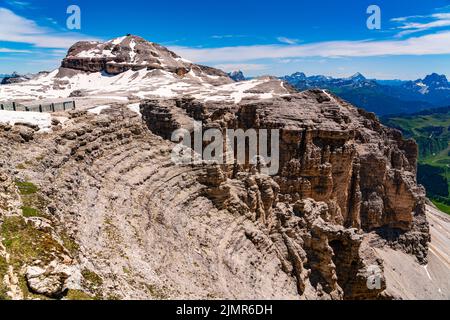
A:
(343, 179)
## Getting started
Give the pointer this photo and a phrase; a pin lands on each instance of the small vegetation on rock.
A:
(156, 292)
(34, 204)
(78, 295)
(26, 244)
(92, 282)
(30, 212)
(26, 188)
(3, 272)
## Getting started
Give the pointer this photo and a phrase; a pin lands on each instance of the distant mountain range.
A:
(2, 75)
(18, 78)
(383, 97)
(380, 96)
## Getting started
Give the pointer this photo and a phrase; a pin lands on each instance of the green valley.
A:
(431, 130)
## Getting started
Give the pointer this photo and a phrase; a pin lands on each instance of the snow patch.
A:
(43, 120)
(118, 40)
(183, 60)
(423, 87)
(135, 107)
(99, 109)
(240, 89)
(133, 52)
(428, 274)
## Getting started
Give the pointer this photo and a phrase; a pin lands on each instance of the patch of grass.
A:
(29, 212)
(442, 206)
(3, 267)
(156, 292)
(40, 158)
(3, 272)
(69, 244)
(26, 188)
(3, 292)
(33, 204)
(126, 271)
(26, 244)
(92, 282)
(92, 277)
(78, 295)
(21, 166)
(112, 231)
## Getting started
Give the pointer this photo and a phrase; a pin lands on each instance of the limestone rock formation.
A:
(360, 174)
(131, 53)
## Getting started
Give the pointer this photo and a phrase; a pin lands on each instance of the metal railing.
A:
(47, 107)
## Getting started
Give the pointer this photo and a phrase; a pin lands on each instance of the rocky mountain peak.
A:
(237, 75)
(130, 53)
(435, 79)
(358, 77)
(299, 75)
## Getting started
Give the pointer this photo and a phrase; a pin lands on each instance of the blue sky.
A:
(261, 37)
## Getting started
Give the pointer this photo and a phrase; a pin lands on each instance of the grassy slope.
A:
(431, 130)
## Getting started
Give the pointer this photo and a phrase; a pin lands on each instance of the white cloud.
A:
(420, 23)
(401, 19)
(51, 20)
(287, 40)
(22, 30)
(431, 44)
(58, 52)
(6, 50)
(19, 4)
(227, 36)
(229, 67)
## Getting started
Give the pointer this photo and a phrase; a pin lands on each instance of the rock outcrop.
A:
(132, 53)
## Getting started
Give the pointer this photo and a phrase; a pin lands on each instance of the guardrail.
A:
(47, 107)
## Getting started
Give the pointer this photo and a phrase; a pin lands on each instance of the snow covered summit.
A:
(130, 68)
(130, 53)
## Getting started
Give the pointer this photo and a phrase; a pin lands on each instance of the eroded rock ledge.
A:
(346, 184)
(142, 227)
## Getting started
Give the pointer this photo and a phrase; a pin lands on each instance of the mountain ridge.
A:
(380, 96)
